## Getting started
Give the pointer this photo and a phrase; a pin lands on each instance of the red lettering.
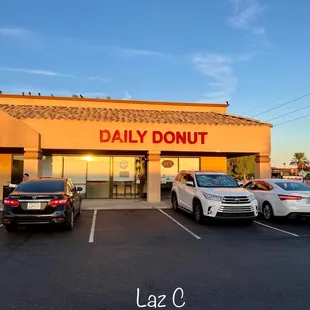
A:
(141, 135)
(172, 137)
(125, 135)
(189, 138)
(180, 137)
(131, 140)
(117, 136)
(157, 139)
(203, 136)
(105, 135)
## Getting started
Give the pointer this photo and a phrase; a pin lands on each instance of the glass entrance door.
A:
(98, 177)
(124, 177)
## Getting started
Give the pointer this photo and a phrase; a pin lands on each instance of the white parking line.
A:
(178, 223)
(274, 228)
(93, 225)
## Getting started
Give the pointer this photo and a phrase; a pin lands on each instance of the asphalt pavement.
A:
(126, 259)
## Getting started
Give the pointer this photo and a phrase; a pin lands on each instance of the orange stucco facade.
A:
(35, 134)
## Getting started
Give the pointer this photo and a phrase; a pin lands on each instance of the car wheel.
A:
(267, 211)
(10, 228)
(174, 201)
(197, 212)
(70, 222)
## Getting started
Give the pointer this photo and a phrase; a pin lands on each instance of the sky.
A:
(252, 53)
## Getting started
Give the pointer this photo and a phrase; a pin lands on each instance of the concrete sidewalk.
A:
(123, 204)
(120, 204)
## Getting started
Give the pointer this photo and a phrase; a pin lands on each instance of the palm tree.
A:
(300, 160)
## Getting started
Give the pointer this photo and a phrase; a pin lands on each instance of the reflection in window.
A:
(169, 169)
(98, 169)
(75, 168)
(215, 180)
(52, 166)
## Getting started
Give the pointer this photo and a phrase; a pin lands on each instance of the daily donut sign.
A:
(139, 136)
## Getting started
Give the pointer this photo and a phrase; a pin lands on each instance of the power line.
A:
(283, 104)
(272, 101)
(308, 106)
(294, 119)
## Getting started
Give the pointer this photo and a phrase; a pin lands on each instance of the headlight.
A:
(213, 197)
(252, 197)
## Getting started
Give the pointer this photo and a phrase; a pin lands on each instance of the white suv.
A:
(212, 195)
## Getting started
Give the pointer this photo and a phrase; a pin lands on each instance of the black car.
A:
(42, 201)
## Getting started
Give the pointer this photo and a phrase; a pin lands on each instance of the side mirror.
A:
(190, 183)
(79, 189)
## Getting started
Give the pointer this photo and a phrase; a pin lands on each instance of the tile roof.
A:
(127, 115)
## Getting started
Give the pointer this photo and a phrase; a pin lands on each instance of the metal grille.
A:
(236, 204)
(235, 200)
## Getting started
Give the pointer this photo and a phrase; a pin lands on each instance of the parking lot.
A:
(112, 255)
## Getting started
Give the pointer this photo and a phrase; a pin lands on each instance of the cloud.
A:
(245, 14)
(37, 72)
(142, 52)
(48, 73)
(219, 69)
(15, 32)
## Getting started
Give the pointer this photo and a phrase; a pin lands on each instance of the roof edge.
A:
(12, 96)
(252, 119)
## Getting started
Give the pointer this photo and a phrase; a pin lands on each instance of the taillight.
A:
(10, 202)
(289, 197)
(59, 202)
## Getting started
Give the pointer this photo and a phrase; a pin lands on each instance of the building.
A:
(281, 172)
(122, 148)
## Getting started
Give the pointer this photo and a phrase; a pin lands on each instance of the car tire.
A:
(197, 212)
(70, 222)
(174, 201)
(268, 211)
(10, 228)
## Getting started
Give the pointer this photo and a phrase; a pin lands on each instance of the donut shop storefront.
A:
(122, 148)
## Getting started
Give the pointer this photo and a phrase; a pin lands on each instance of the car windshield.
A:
(216, 180)
(293, 186)
(41, 186)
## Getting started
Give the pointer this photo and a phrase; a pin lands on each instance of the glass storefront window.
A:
(17, 169)
(98, 177)
(75, 168)
(52, 166)
(124, 177)
(169, 169)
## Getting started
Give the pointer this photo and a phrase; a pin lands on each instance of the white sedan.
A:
(280, 198)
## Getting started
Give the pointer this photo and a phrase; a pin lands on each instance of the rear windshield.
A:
(41, 186)
(293, 186)
(216, 180)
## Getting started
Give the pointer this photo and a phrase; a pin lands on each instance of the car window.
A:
(190, 178)
(263, 186)
(183, 178)
(216, 180)
(293, 186)
(249, 186)
(41, 186)
(178, 177)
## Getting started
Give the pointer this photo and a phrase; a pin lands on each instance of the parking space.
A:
(111, 254)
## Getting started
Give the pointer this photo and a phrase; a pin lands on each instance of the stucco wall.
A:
(5, 171)
(66, 134)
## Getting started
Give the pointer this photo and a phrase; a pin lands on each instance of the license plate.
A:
(34, 206)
